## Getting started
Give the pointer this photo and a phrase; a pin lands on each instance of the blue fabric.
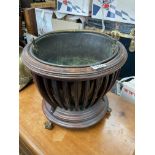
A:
(125, 13)
(132, 19)
(129, 68)
(78, 7)
(110, 14)
(59, 5)
(69, 2)
(74, 7)
(69, 9)
(118, 13)
(96, 8)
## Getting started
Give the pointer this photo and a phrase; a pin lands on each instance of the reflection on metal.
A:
(132, 32)
(132, 45)
(116, 34)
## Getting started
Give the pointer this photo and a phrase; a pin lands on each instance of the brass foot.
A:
(48, 125)
(109, 110)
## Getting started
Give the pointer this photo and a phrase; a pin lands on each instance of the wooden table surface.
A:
(113, 135)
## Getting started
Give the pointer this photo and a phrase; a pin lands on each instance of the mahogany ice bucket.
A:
(73, 71)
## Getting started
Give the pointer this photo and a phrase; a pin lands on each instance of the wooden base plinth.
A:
(77, 119)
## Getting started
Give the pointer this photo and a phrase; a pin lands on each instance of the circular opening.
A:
(74, 49)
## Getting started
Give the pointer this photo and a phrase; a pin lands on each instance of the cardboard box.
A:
(48, 4)
(65, 25)
(114, 10)
(75, 7)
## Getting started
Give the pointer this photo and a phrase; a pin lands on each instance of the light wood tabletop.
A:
(113, 135)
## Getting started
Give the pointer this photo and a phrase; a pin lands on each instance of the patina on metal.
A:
(73, 71)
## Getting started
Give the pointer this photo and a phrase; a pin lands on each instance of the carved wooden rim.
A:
(74, 73)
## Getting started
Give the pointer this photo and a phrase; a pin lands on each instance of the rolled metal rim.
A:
(72, 73)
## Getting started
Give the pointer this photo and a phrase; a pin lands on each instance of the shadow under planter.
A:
(73, 71)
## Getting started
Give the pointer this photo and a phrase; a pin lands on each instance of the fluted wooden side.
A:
(74, 95)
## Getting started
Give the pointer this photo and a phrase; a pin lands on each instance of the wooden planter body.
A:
(74, 97)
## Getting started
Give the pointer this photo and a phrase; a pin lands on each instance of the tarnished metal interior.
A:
(74, 49)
